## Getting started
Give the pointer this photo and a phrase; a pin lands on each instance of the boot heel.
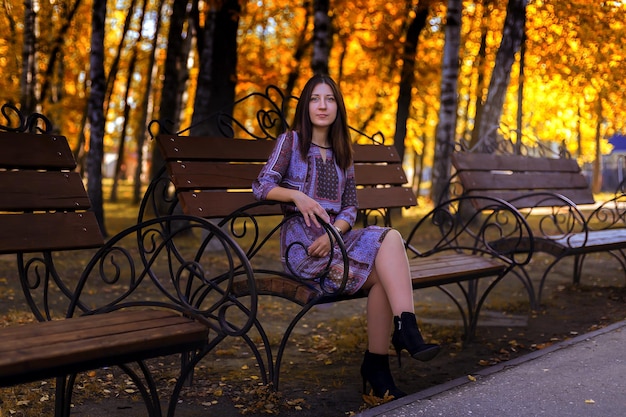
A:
(398, 351)
(406, 335)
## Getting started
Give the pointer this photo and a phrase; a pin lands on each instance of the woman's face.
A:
(322, 106)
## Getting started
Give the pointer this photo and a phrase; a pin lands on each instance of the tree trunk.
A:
(301, 47)
(322, 37)
(512, 35)
(407, 78)
(422, 157)
(217, 79)
(481, 68)
(446, 128)
(56, 54)
(579, 131)
(147, 101)
(96, 113)
(115, 65)
(597, 160)
(28, 101)
(520, 96)
(175, 75)
(121, 149)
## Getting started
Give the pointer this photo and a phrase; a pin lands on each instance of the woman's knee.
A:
(394, 234)
(393, 237)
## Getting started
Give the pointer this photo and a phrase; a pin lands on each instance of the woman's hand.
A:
(309, 209)
(320, 246)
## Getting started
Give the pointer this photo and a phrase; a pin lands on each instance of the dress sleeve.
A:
(349, 201)
(274, 170)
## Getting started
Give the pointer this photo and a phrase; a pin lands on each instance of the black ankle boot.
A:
(375, 370)
(406, 335)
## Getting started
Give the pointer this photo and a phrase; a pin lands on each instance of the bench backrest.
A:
(514, 178)
(43, 202)
(213, 176)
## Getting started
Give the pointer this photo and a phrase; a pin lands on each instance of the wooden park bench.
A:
(211, 178)
(551, 192)
(144, 293)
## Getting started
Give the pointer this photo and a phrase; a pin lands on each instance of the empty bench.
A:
(212, 177)
(550, 191)
(139, 295)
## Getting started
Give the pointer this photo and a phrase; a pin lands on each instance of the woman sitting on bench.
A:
(312, 168)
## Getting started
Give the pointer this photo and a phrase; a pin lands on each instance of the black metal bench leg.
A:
(578, 266)
(148, 389)
(63, 398)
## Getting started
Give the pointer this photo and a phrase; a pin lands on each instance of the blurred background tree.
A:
(177, 61)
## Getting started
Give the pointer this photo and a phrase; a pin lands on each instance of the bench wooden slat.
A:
(214, 204)
(528, 201)
(83, 322)
(488, 162)
(375, 154)
(50, 348)
(205, 175)
(274, 285)
(379, 174)
(84, 328)
(50, 190)
(190, 148)
(202, 175)
(523, 181)
(391, 197)
(31, 232)
(444, 268)
(31, 150)
(596, 240)
(218, 203)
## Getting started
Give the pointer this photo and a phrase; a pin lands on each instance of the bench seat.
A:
(551, 192)
(212, 177)
(139, 295)
(435, 270)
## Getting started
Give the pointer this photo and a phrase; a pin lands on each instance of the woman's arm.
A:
(347, 215)
(305, 204)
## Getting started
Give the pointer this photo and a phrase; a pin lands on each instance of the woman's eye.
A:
(315, 98)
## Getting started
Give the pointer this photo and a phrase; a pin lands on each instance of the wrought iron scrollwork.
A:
(270, 119)
(477, 226)
(167, 258)
(17, 122)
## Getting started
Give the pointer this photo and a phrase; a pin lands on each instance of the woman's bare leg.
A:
(379, 320)
(390, 291)
(390, 294)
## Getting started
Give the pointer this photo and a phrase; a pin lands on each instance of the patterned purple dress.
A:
(335, 190)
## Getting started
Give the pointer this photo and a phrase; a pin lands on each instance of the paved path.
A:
(581, 377)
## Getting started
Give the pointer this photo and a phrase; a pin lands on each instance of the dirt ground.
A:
(320, 373)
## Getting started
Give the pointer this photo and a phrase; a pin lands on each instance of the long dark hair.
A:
(338, 134)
